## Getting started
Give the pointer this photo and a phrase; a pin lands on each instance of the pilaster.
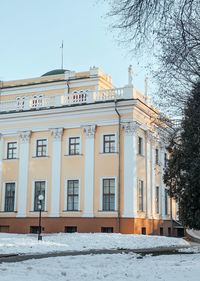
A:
(89, 170)
(23, 173)
(130, 169)
(162, 186)
(1, 166)
(149, 139)
(56, 169)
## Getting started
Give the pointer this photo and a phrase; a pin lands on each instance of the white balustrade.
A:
(77, 97)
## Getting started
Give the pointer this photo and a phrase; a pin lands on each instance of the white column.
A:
(23, 173)
(56, 169)
(89, 170)
(149, 168)
(130, 169)
(1, 168)
(162, 186)
(153, 177)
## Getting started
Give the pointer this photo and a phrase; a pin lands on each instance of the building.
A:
(95, 152)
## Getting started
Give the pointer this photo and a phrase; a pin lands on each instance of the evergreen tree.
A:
(182, 174)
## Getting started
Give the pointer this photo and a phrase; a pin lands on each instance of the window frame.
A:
(73, 196)
(140, 145)
(102, 194)
(157, 200)
(36, 147)
(66, 194)
(165, 159)
(67, 152)
(4, 194)
(33, 194)
(109, 142)
(157, 156)
(7, 149)
(140, 195)
(166, 202)
(74, 144)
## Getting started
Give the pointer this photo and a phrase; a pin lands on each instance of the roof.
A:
(55, 72)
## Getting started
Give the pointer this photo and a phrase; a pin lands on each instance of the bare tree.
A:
(172, 28)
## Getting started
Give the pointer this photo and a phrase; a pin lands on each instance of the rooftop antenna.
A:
(61, 55)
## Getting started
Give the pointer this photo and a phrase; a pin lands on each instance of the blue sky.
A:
(32, 32)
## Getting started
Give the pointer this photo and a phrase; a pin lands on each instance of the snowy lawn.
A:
(120, 267)
(27, 243)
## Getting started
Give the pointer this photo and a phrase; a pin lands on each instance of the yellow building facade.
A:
(95, 152)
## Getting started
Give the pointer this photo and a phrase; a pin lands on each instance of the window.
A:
(20, 102)
(9, 197)
(166, 202)
(108, 194)
(70, 229)
(107, 229)
(140, 146)
(41, 148)
(74, 146)
(4, 228)
(72, 195)
(165, 160)
(157, 200)
(143, 231)
(35, 229)
(157, 156)
(109, 143)
(161, 231)
(141, 196)
(12, 150)
(37, 101)
(39, 189)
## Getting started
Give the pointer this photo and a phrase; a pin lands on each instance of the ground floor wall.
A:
(122, 225)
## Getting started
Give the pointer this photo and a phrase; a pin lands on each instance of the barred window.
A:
(72, 195)
(9, 197)
(108, 194)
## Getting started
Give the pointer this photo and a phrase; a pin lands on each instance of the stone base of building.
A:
(122, 225)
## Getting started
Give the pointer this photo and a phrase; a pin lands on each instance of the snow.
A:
(121, 267)
(194, 233)
(26, 243)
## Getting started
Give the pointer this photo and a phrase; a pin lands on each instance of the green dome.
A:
(55, 72)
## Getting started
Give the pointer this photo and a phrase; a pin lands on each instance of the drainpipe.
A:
(119, 160)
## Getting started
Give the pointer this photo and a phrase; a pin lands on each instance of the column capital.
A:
(162, 145)
(25, 136)
(150, 136)
(90, 131)
(130, 127)
(57, 133)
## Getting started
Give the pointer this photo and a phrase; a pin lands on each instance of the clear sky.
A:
(32, 32)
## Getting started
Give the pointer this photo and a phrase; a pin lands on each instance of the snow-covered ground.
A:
(120, 267)
(26, 243)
